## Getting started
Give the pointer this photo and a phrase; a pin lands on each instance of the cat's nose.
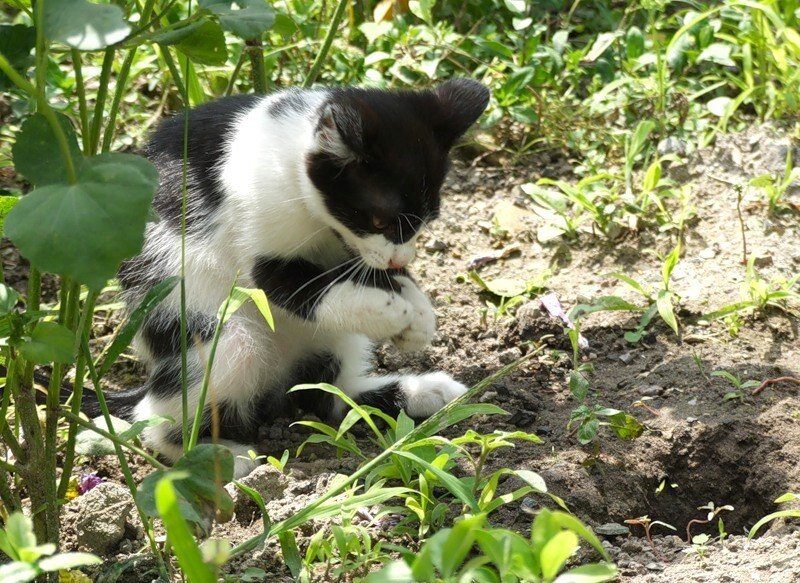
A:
(399, 264)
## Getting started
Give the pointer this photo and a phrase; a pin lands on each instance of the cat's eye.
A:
(379, 223)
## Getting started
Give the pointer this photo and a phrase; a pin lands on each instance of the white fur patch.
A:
(426, 394)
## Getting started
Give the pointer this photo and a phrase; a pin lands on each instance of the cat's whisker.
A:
(312, 280)
(306, 240)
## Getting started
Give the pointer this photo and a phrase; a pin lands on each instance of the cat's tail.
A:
(120, 403)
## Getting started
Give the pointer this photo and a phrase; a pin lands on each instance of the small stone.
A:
(529, 506)
(612, 529)
(522, 418)
(651, 390)
(692, 402)
(762, 260)
(626, 357)
(488, 397)
(102, 513)
(691, 420)
(654, 567)
(671, 145)
(631, 546)
(510, 355)
(267, 480)
(707, 253)
(434, 245)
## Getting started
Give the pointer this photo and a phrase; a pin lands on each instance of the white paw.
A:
(376, 313)
(420, 332)
(426, 394)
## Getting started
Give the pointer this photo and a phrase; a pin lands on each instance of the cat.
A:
(316, 197)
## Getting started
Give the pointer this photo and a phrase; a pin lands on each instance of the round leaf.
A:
(247, 19)
(49, 342)
(36, 152)
(84, 25)
(85, 230)
(205, 45)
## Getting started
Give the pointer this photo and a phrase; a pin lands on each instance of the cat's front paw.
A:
(422, 328)
(374, 312)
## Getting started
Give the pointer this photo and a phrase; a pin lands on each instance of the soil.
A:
(742, 452)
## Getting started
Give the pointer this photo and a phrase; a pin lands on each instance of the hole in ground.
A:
(725, 464)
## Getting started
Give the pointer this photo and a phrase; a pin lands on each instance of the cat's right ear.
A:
(339, 132)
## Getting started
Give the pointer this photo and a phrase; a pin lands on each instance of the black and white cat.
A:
(317, 197)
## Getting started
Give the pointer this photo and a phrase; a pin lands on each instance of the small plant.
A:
(740, 386)
(555, 536)
(788, 513)
(713, 512)
(775, 187)
(29, 560)
(646, 523)
(699, 545)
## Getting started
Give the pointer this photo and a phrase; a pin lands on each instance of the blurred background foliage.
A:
(568, 76)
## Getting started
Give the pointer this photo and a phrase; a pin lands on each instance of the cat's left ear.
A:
(461, 101)
(339, 131)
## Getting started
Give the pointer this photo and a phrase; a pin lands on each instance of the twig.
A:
(774, 381)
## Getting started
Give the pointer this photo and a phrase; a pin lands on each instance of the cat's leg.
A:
(240, 365)
(346, 299)
(418, 395)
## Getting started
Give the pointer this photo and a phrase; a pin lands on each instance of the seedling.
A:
(740, 386)
(646, 523)
(775, 187)
(713, 511)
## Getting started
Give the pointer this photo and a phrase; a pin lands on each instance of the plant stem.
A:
(316, 67)
(83, 327)
(81, 89)
(235, 74)
(255, 50)
(769, 382)
(100, 102)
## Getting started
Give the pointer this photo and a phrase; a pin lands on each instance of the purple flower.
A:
(88, 481)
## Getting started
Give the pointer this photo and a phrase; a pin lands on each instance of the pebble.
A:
(692, 402)
(102, 513)
(612, 529)
(434, 245)
(651, 390)
(522, 418)
(691, 420)
(488, 397)
(626, 357)
(654, 567)
(707, 253)
(510, 355)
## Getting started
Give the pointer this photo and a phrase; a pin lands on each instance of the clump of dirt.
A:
(696, 448)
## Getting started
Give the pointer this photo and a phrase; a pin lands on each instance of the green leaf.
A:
(6, 204)
(19, 532)
(176, 32)
(664, 303)
(556, 551)
(8, 299)
(394, 572)
(602, 304)
(458, 544)
(453, 484)
(569, 522)
(771, 517)
(594, 573)
(247, 19)
(634, 42)
(587, 431)
(204, 470)
(84, 25)
(788, 497)
(290, 552)
(17, 572)
(91, 443)
(626, 426)
(578, 385)
(49, 342)
(422, 9)
(16, 43)
(68, 561)
(36, 152)
(719, 106)
(183, 544)
(240, 295)
(85, 230)
(205, 45)
(122, 340)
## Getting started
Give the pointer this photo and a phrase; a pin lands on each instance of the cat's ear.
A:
(339, 132)
(461, 102)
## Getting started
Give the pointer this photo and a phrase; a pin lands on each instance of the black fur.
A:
(209, 126)
(297, 285)
(163, 337)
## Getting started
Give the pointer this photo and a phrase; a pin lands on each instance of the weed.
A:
(789, 513)
(775, 187)
(29, 560)
(740, 386)
(647, 524)
(713, 512)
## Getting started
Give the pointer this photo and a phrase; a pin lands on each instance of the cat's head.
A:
(379, 158)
